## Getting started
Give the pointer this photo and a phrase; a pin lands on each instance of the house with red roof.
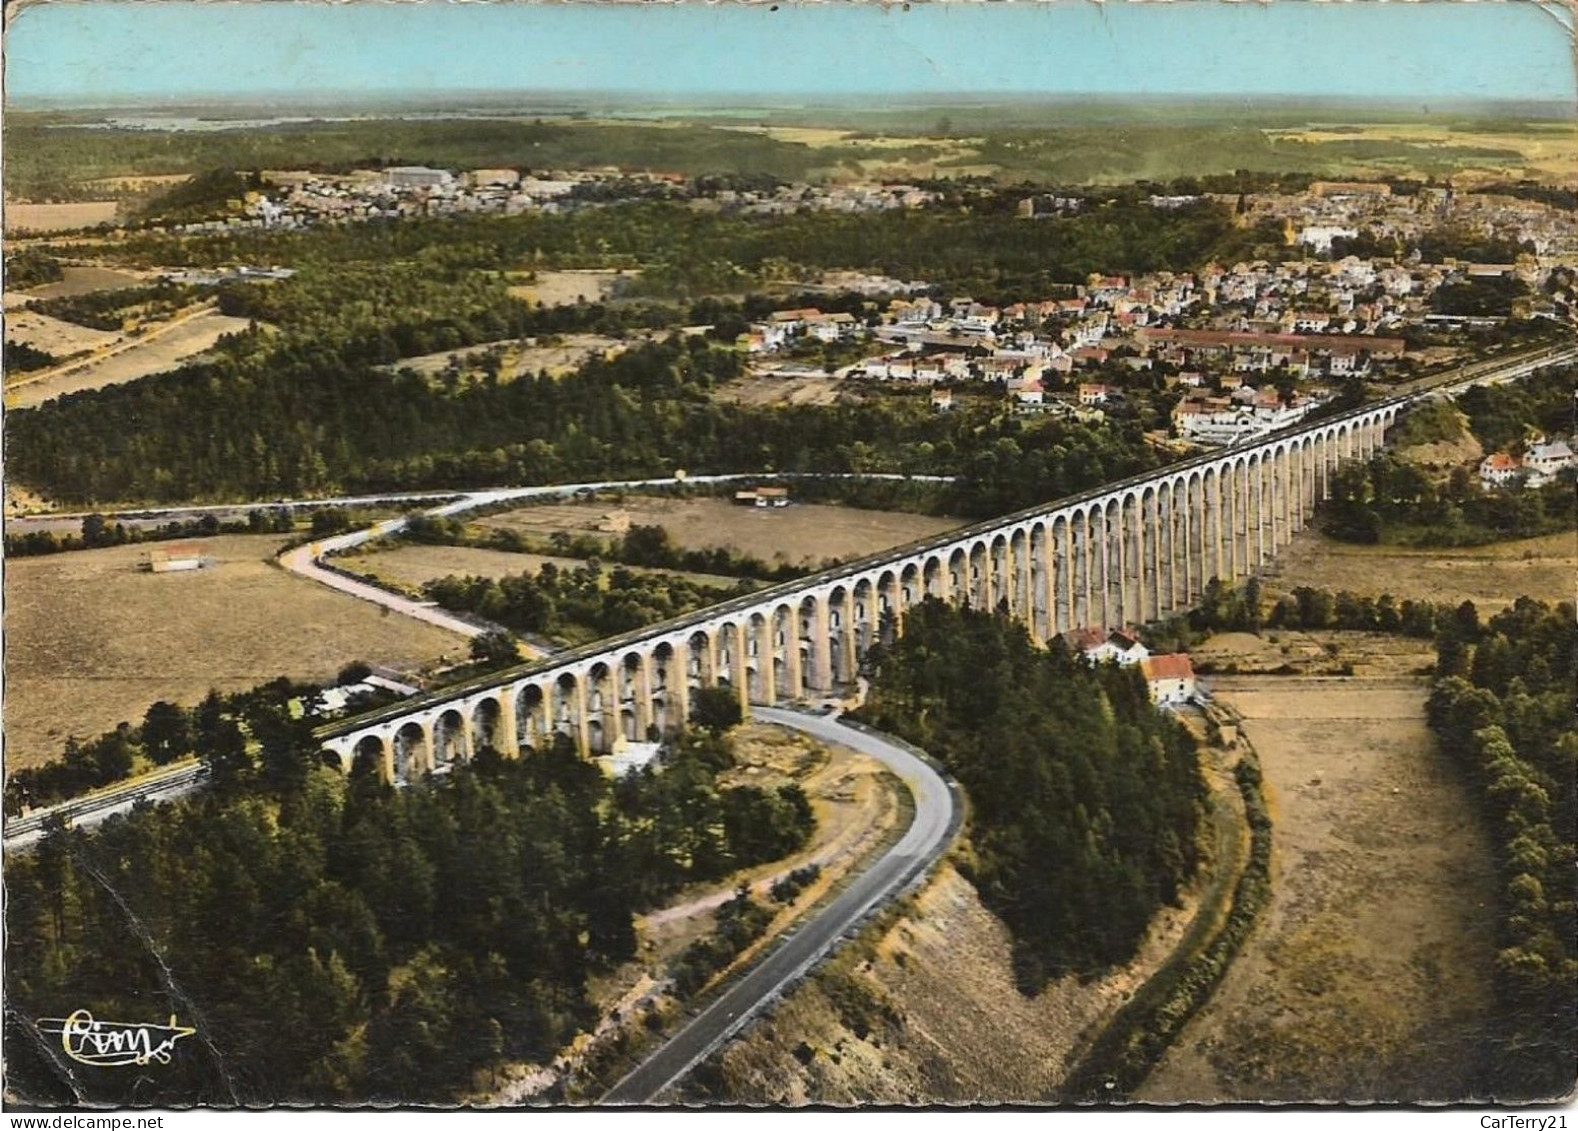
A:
(1169, 677)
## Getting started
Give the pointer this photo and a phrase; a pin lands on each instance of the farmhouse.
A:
(1547, 460)
(1170, 677)
(1100, 646)
(1499, 468)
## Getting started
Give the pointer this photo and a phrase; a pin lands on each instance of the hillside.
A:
(928, 1012)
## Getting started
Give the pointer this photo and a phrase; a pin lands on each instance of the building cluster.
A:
(1245, 413)
(303, 200)
(1169, 676)
(1331, 210)
(785, 200)
(218, 276)
(1038, 352)
(1541, 462)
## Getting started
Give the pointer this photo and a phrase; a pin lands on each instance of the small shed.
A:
(175, 559)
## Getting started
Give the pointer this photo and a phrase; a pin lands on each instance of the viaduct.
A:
(1125, 553)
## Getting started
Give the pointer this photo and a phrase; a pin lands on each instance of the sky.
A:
(167, 50)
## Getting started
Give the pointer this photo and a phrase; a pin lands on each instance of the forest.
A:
(332, 938)
(301, 403)
(307, 422)
(1501, 708)
(981, 249)
(1084, 799)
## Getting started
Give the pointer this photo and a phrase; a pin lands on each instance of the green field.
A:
(52, 159)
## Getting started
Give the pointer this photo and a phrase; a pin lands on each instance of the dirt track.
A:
(127, 359)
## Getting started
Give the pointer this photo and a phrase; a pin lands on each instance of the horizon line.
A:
(443, 97)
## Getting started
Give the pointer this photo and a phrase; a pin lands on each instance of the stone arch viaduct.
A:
(1125, 553)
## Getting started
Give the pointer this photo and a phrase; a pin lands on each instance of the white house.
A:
(1099, 646)
(1026, 390)
(1169, 677)
(1546, 461)
(1498, 469)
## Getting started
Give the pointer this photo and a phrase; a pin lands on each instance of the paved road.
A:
(23, 832)
(304, 561)
(937, 815)
(307, 560)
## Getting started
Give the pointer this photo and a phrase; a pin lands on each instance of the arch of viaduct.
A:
(1126, 553)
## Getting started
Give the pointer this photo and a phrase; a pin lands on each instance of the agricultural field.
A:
(1547, 151)
(1369, 974)
(1491, 576)
(123, 358)
(81, 279)
(408, 567)
(1324, 652)
(52, 335)
(802, 534)
(43, 218)
(91, 640)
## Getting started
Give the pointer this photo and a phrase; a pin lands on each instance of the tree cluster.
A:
(1502, 710)
(1085, 800)
(246, 734)
(27, 269)
(20, 357)
(342, 940)
(109, 310)
(584, 600)
(98, 532)
(1389, 499)
(212, 192)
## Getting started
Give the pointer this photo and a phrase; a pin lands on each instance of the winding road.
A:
(306, 561)
(938, 814)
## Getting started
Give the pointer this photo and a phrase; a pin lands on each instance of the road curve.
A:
(938, 813)
(306, 561)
